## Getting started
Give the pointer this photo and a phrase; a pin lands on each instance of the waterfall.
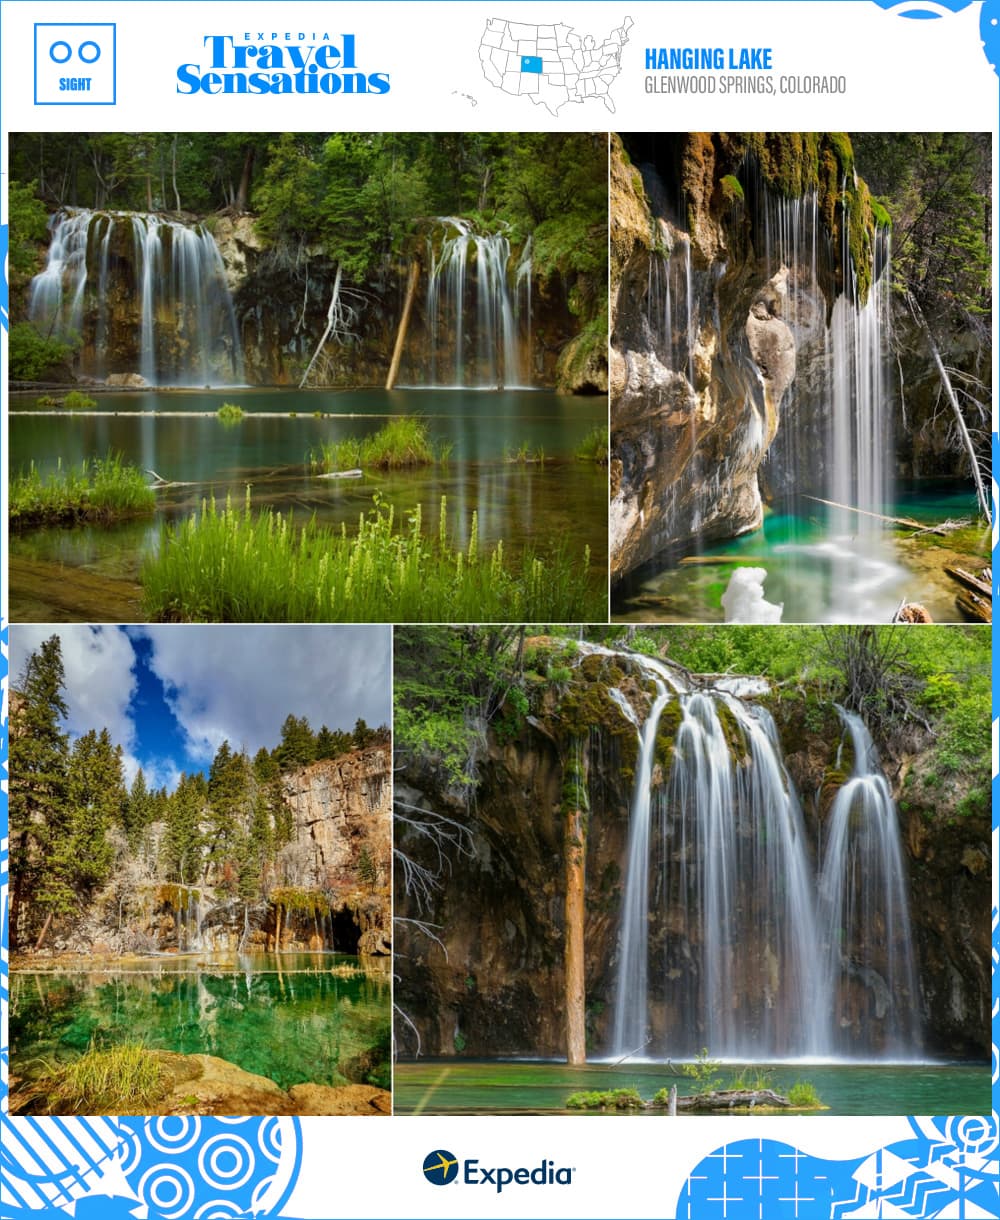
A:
(141, 294)
(671, 310)
(631, 1000)
(489, 345)
(868, 959)
(731, 938)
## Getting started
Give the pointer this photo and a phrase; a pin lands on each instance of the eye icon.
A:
(88, 52)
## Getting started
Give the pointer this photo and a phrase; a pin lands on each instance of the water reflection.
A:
(293, 1018)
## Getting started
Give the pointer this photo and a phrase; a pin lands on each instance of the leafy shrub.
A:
(30, 354)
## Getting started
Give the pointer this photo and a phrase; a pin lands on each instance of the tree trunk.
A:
(404, 325)
(331, 317)
(173, 172)
(243, 190)
(576, 1036)
(918, 316)
(44, 931)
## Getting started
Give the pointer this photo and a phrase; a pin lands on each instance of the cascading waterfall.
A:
(868, 958)
(478, 308)
(731, 938)
(834, 437)
(670, 305)
(142, 294)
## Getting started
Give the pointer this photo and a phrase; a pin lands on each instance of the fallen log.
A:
(975, 607)
(907, 521)
(971, 582)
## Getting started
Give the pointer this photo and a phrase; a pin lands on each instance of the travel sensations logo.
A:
(261, 63)
(441, 1168)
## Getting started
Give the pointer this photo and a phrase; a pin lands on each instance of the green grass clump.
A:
(803, 1095)
(227, 565)
(594, 446)
(77, 401)
(47, 400)
(606, 1099)
(230, 413)
(121, 1079)
(99, 490)
(525, 456)
(402, 444)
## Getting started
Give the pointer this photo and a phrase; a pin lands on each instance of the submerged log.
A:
(864, 512)
(977, 608)
(732, 1099)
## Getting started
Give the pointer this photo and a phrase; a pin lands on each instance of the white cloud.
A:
(238, 683)
(98, 664)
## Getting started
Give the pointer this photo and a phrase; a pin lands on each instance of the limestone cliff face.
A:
(337, 805)
(282, 312)
(727, 252)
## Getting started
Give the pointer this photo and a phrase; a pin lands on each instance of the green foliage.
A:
(732, 190)
(803, 1096)
(123, 1079)
(75, 400)
(704, 1072)
(229, 413)
(594, 446)
(606, 1099)
(101, 490)
(96, 795)
(28, 223)
(458, 1041)
(229, 566)
(367, 869)
(402, 444)
(306, 902)
(30, 355)
(448, 683)
(936, 186)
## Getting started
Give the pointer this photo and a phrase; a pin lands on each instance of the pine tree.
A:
(37, 808)
(137, 811)
(96, 792)
(183, 840)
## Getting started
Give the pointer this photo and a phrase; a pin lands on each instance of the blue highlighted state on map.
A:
(531, 63)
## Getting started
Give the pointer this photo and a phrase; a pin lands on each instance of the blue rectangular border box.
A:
(114, 61)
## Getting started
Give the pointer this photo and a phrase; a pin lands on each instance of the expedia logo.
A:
(442, 1167)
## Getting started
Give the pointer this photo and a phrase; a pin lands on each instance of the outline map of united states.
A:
(551, 64)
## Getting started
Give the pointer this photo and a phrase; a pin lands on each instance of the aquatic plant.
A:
(402, 444)
(230, 413)
(227, 565)
(102, 490)
(606, 1099)
(75, 400)
(594, 446)
(803, 1095)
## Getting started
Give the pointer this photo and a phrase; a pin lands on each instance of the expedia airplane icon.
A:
(440, 1167)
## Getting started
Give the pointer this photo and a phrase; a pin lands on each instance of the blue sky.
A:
(171, 695)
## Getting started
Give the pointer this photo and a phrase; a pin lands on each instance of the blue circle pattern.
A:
(180, 1168)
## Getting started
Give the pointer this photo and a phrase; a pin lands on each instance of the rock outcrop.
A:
(727, 252)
